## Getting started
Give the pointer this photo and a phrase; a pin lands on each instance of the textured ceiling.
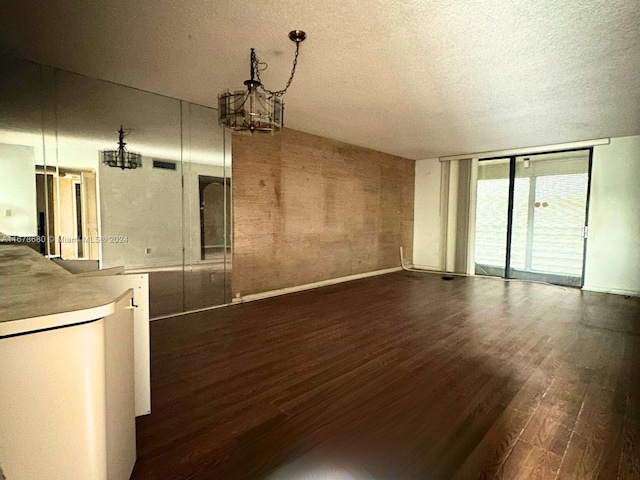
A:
(414, 78)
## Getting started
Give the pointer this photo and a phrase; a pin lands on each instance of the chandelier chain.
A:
(277, 93)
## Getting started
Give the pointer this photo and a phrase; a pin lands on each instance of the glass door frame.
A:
(511, 199)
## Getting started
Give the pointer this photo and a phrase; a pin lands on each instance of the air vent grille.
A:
(164, 164)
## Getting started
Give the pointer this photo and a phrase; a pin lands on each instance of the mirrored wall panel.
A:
(68, 189)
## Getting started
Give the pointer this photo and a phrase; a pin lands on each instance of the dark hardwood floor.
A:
(399, 377)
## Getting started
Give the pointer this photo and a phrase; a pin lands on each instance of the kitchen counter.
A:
(36, 294)
(66, 372)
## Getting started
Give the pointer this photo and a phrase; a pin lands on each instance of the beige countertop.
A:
(37, 294)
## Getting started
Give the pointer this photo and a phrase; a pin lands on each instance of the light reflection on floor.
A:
(314, 466)
(318, 474)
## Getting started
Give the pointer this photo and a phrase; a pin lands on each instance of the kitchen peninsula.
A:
(66, 373)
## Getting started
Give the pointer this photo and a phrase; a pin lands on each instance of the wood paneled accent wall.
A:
(306, 209)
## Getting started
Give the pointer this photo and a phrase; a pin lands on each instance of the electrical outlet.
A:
(7, 212)
(147, 251)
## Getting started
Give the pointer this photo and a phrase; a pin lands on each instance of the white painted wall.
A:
(18, 215)
(613, 245)
(145, 206)
(427, 222)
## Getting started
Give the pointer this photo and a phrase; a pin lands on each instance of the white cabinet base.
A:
(67, 406)
(52, 404)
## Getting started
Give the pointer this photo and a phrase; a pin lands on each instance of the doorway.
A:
(531, 217)
(67, 213)
(215, 217)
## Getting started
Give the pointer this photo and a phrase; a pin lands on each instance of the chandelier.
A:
(122, 157)
(257, 109)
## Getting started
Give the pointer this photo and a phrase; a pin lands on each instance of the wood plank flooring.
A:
(399, 377)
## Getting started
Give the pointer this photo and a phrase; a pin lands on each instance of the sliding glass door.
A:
(531, 217)
(492, 211)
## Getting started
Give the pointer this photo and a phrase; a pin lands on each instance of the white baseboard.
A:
(150, 267)
(309, 286)
(616, 291)
(426, 267)
(189, 312)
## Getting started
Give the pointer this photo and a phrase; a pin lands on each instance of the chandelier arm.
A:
(277, 93)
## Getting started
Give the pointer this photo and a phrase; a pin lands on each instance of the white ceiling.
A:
(415, 78)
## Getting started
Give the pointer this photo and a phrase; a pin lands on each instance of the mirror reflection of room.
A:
(170, 217)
